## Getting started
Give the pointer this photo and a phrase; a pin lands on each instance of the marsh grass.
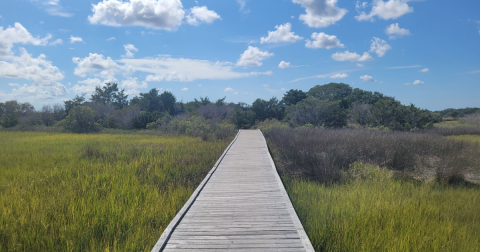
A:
(99, 192)
(374, 212)
(322, 155)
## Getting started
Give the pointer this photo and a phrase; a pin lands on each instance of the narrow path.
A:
(240, 206)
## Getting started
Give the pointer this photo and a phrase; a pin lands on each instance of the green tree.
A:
(77, 101)
(270, 109)
(320, 113)
(11, 111)
(81, 119)
(243, 119)
(168, 100)
(293, 96)
(110, 94)
(331, 92)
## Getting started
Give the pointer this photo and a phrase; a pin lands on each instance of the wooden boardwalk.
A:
(240, 206)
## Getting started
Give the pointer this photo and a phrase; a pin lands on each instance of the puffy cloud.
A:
(367, 78)
(133, 83)
(166, 68)
(44, 76)
(39, 70)
(18, 35)
(392, 9)
(359, 6)
(284, 64)
(322, 40)
(339, 76)
(88, 85)
(348, 56)
(425, 70)
(282, 33)
(395, 31)
(253, 57)
(379, 46)
(201, 14)
(74, 39)
(156, 14)
(39, 92)
(320, 13)
(56, 42)
(229, 89)
(416, 82)
(94, 63)
(129, 49)
(184, 89)
(359, 65)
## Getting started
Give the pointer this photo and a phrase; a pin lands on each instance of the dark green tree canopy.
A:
(110, 94)
(293, 96)
(331, 92)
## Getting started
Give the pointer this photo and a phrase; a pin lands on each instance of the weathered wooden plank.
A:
(242, 206)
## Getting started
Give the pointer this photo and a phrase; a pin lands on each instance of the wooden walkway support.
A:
(240, 206)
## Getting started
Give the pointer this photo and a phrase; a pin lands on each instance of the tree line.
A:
(334, 105)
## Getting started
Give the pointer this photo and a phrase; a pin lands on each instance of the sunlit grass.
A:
(467, 138)
(102, 192)
(378, 213)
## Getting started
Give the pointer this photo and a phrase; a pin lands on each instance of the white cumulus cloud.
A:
(379, 46)
(155, 14)
(18, 35)
(283, 33)
(283, 64)
(99, 65)
(166, 68)
(416, 82)
(359, 65)
(74, 39)
(133, 83)
(184, 89)
(367, 78)
(253, 57)
(395, 31)
(391, 9)
(129, 49)
(425, 70)
(201, 14)
(229, 89)
(322, 40)
(348, 56)
(339, 76)
(320, 13)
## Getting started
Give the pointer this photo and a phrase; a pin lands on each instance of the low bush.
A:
(322, 155)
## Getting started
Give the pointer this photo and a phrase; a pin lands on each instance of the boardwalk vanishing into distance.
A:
(240, 206)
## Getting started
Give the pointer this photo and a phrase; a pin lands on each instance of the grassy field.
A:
(101, 192)
(467, 138)
(378, 213)
(346, 205)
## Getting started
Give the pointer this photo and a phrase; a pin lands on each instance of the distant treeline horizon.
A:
(333, 105)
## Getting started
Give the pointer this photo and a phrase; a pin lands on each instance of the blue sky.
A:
(421, 52)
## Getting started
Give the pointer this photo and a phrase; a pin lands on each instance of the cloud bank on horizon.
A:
(237, 49)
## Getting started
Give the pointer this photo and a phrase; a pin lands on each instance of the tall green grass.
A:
(375, 212)
(102, 192)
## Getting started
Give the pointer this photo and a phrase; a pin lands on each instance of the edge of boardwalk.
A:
(293, 214)
(167, 233)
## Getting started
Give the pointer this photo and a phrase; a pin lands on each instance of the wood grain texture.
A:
(242, 206)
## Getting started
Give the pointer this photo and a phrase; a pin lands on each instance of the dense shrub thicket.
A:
(322, 155)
